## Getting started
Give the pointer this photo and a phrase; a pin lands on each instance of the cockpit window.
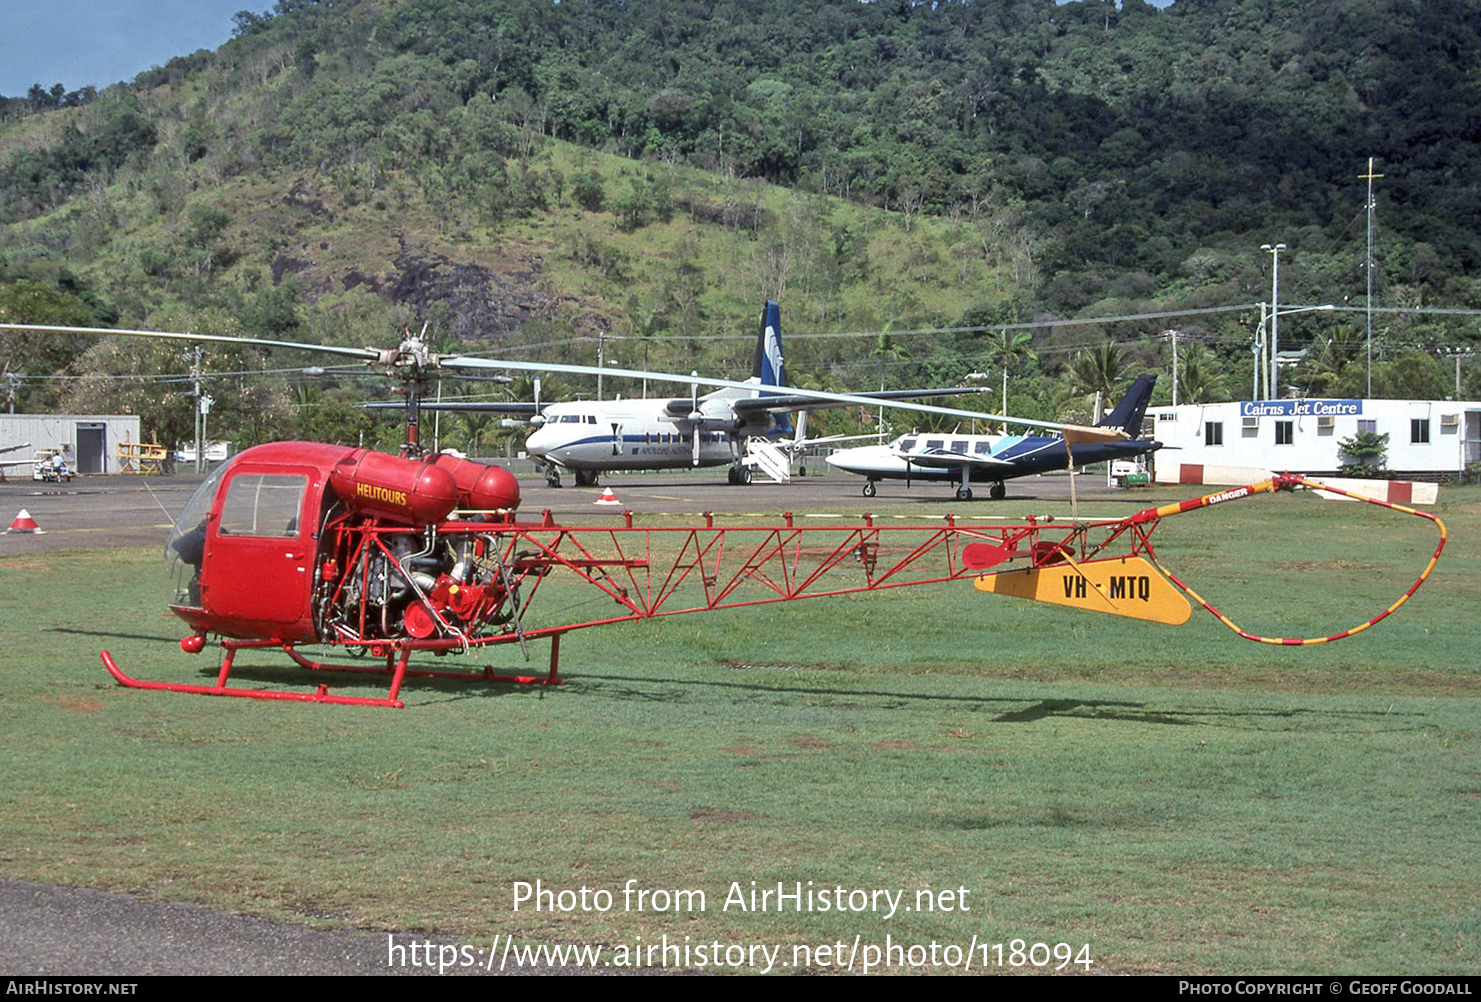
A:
(261, 504)
(907, 444)
(570, 419)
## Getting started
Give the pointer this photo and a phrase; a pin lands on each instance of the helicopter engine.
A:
(394, 566)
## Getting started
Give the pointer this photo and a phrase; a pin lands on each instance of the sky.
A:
(100, 42)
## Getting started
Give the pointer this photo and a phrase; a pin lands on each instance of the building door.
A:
(92, 447)
(1472, 451)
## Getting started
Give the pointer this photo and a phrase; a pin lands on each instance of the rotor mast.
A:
(410, 362)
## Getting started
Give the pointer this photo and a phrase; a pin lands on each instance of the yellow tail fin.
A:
(1121, 586)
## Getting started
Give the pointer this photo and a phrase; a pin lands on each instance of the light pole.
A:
(1172, 335)
(1268, 316)
(979, 377)
(1271, 380)
(601, 350)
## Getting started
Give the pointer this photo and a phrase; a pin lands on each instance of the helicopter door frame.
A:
(261, 551)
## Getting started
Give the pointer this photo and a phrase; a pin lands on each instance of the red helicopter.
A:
(297, 544)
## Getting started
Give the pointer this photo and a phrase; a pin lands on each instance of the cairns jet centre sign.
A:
(1300, 408)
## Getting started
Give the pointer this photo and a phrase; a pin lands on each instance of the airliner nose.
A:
(538, 444)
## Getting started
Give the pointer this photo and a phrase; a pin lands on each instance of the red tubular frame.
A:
(707, 568)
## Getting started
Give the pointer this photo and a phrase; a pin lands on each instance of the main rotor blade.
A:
(465, 361)
(368, 354)
(390, 357)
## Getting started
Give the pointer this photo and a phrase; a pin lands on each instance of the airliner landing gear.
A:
(738, 475)
(964, 493)
(552, 475)
(586, 478)
(870, 489)
(998, 490)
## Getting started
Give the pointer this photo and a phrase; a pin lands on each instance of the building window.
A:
(1419, 431)
(1367, 427)
(1213, 433)
(1285, 433)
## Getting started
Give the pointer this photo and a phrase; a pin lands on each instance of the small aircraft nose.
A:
(844, 459)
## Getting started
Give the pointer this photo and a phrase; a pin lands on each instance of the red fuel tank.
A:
(416, 490)
(481, 487)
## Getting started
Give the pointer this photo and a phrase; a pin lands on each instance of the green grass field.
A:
(1180, 800)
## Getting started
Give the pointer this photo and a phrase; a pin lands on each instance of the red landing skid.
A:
(396, 666)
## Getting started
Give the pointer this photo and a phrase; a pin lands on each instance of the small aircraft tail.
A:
(1133, 407)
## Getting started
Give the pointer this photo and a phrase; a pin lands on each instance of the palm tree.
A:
(1330, 361)
(887, 350)
(1200, 379)
(1098, 370)
(1010, 349)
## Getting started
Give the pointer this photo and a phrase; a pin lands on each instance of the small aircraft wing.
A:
(797, 401)
(941, 459)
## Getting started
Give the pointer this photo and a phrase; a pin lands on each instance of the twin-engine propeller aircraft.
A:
(996, 458)
(590, 437)
(296, 544)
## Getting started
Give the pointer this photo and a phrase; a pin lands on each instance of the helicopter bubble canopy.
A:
(187, 546)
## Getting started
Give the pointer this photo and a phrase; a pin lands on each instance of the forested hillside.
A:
(533, 175)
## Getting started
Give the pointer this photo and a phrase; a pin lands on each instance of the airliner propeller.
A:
(696, 418)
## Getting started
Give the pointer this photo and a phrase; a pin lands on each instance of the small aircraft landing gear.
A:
(998, 490)
(964, 493)
(870, 489)
(552, 476)
(586, 478)
(738, 475)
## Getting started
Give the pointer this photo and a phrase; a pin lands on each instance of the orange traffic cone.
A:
(607, 497)
(25, 523)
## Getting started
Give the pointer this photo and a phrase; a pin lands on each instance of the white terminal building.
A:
(1427, 439)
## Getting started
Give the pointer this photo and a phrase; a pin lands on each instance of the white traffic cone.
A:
(607, 497)
(25, 523)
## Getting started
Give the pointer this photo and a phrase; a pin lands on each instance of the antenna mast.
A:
(1370, 177)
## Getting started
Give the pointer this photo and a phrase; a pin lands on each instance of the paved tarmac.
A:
(111, 512)
(72, 932)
